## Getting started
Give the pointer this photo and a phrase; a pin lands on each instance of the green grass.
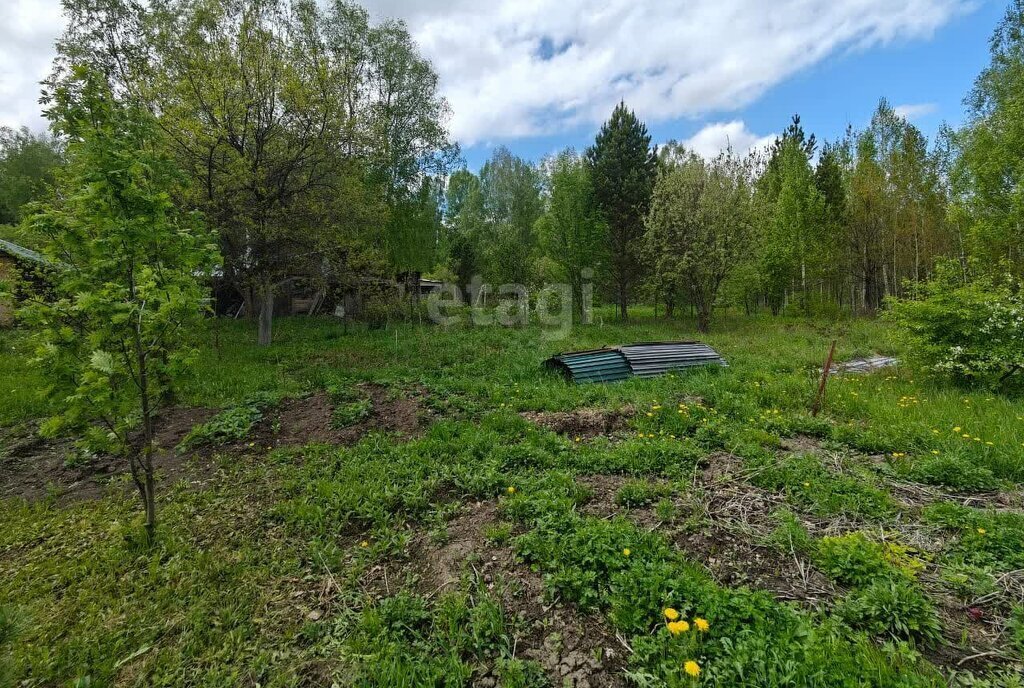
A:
(260, 575)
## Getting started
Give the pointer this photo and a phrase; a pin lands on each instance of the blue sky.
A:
(842, 89)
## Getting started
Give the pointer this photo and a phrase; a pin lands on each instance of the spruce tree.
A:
(623, 168)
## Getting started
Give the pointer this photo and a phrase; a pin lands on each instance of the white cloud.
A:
(913, 111)
(714, 138)
(666, 59)
(28, 29)
(513, 68)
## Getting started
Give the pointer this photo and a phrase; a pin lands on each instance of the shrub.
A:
(971, 332)
(852, 559)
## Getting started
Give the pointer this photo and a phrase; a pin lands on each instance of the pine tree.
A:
(623, 168)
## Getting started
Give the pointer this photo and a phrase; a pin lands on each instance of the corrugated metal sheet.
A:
(657, 358)
(645, 359)
(21, 252)
(599, 365)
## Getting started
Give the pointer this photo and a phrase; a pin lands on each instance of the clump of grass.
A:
(638, 493)
(232, 424)
(498, 533)
(993, 540)
(810, 485)
(890, 607)
(350, 413)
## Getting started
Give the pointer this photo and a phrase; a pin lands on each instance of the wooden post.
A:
(816, 407)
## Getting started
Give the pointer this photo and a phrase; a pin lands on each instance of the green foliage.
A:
(570, 230)
(637, 493)
(401, 641)
(852, 559)
(126, 293)
(27, 164)
(1016, 626)
(700, 225)
(894, 608)
(623, 169)
(987, 173)
(969, 331)
(230, 425)
(985, 539)
(809, 484)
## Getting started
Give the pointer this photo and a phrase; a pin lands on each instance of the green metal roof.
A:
(644, 359)
(13, 249)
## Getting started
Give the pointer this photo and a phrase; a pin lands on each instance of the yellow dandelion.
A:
(935, 451)
(626, 552)
(981, 531)
(957, 429)
(671, 614)
(649, 414)
(677, 627)
(511, 490)
(701, 625)
(656, 408)
(364, 543)
(692, 668)
(807, 484)
(577, 439)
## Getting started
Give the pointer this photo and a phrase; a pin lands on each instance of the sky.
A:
(540, 75)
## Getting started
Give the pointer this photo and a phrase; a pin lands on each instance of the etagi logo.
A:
(555, 306)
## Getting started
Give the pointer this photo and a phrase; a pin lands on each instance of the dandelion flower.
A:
(626, 552)
(364, 543)
(677, 627)
(935, 451)
(701, 625)
(807, 484)
(671, 614)
(981, 531)
(692, 668)
(511, 490)
(957, 429)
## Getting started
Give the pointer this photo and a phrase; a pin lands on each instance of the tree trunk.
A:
(266, 301)
(623, 309)
(149, 497)
(703, 319)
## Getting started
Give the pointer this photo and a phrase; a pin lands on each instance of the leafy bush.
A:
(852, 559)
(232, 424)
(971, 332)
(894, 608)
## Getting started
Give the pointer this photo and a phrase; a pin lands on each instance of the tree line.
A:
(314, 143)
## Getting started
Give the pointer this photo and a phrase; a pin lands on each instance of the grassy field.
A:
(419, 507)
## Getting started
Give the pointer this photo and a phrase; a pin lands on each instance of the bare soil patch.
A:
(587, 422)
(35, 468)
(310, 419)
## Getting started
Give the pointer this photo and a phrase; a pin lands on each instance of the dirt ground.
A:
(35, 468)
(585, 423)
